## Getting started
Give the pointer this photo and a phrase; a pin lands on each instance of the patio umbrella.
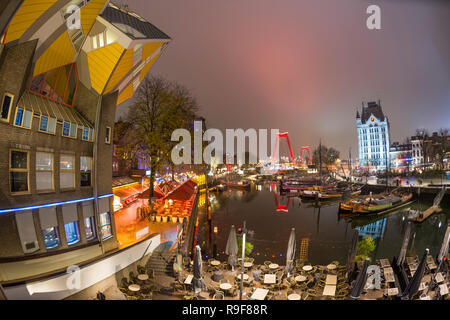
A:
(232, 248)
(414, 284)
(197, 282)
(290, 254)
(359, 282)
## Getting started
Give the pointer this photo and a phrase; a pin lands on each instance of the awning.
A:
(156, 193)
(129, 191)
(43, 106)
(183, 192)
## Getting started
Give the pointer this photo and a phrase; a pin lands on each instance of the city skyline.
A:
(283, 67)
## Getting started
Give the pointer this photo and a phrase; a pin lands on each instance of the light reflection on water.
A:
(329, 237)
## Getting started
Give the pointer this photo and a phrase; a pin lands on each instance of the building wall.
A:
(15, 64)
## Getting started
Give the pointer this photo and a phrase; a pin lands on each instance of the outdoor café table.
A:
(294, 296)
(259, 294)
(392, 291)
(245, 276)
(329, 291)
(331, 266)
(384, 263)
(134, 287)
(142, 277)
(300, 278)
(189, 279)
(215, 263)
(273, 266)
(307, 268)
(443, 289)
(439, 278)
(331, 280)
(248, 264)
(270, 278)
(225, 286)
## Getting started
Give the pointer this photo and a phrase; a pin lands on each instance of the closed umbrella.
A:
(197, 282)
(290, 254)
(359, 282)
(414, 284)
(232, 248)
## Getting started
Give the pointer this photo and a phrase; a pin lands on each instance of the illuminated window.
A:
(23, 118)
(105, 225)
(6, 106)
(85, 171)
(51, 238)
(69, 129)
(44, 171)
(89, 228)
(47, 124)
(72, 232)
(67, 172)
(19, 171)
(88, 134)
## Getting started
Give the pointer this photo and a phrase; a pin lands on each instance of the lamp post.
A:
(244, 231)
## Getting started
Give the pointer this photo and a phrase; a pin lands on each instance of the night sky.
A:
(304, 66)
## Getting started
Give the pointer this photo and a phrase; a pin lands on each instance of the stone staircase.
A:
(162, 259)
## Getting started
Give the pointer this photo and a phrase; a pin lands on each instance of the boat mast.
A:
(320, 161)
(350, 163)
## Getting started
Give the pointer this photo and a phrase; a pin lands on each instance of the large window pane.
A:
(27, 119)
(66, 129)
(51, 238)
(105, 225)
(85, 163)
(44, 161)
(73, 130)
(19, 181)
(67, 162)
(6, 105)
(44, 181)
(89, 227)
(44, 122)
(51, 125)
(66, 180)
(19, 116)
(85, 133)
(72, 232)
(19, 160)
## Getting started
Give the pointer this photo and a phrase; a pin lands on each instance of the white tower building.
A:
(373, 136)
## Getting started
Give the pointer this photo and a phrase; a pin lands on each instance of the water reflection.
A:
(327, 237)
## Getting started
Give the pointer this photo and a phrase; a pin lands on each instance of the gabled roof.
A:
(118, 16)
(372, 108)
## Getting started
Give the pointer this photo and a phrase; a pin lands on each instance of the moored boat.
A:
(375, 205)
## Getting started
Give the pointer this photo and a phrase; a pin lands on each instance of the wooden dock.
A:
(430, 211)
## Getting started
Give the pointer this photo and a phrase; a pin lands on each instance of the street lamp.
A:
(244, 232)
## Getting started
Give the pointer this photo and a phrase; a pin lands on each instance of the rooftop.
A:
(131, 23)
